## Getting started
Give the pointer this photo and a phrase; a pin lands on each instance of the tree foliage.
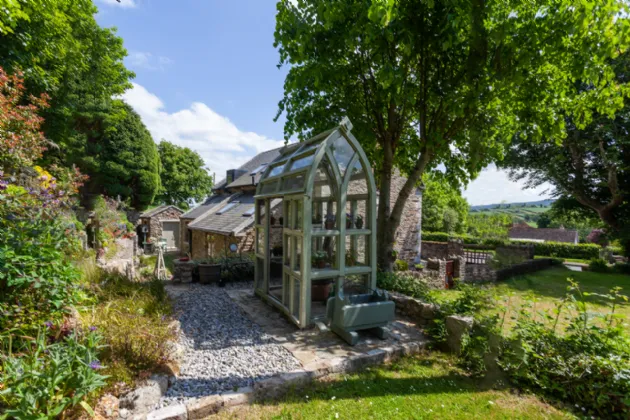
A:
(21, 141)
(65, 54)
(123, 159)
(589, 168)
(428, 83)
(183, 176)
(443, 207)
(489, 226)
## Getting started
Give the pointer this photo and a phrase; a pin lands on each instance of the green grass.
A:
(576, 260)
(426, 386)
(544, 289)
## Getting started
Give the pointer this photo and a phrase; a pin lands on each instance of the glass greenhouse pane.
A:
(298, 253)
(299, 216)
(356, 213)
(296, 298)
(324, 215)
(269, 187)
(276, 170)
(260, 273)
(323, 185)
(324, 253)
(343, 152)
(356, 251)
(357, 284)
(293, 183)
(310, 146)
(302, 162)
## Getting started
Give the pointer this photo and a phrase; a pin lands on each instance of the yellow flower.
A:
(44, 176)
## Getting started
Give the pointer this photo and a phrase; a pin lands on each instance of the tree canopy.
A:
(123, 159)
(443, 207)
(589, 168)
(428, 83)
(183, 176)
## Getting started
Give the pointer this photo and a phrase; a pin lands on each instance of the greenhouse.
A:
(320, 239)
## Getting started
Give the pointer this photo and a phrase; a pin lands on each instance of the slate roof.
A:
(159, 209)
(246, 179)
(232, 221)
(210, 202)
(547, 234)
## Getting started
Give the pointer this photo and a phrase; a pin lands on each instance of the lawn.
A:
(544, 289)
(427, 386)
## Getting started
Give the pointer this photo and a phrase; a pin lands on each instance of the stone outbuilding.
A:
(161, 222)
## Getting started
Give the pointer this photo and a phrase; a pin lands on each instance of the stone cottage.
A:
(524, 232)
(227, 217)
(161, 222)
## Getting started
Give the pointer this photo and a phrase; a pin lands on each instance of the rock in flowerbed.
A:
(222, 348)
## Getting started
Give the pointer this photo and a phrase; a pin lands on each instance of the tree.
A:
(122, 160)
(590, 166)
(489, 226)
(64, 53)
(183, 176)
(443, 207)
(21, 139)
(428, 83)
(544, 221)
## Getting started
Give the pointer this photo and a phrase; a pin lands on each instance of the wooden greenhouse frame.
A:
(312, 178)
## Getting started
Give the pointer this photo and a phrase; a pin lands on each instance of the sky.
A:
(207, 79)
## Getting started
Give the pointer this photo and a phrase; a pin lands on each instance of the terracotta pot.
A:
(320, 291)
(330, 225)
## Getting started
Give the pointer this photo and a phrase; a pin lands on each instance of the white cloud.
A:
(493, 186)
(121, 3)
(148, 61)
(219, 142)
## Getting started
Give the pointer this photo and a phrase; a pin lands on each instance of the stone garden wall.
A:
(442, 250)
(155, 222)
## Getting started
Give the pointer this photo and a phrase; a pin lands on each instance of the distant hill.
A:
(544, 203)
(520, 212)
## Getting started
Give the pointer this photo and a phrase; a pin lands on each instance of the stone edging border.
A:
(278, 385)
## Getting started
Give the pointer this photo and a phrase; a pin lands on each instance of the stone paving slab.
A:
(312, 345)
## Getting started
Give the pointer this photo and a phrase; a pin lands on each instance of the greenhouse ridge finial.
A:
(345, 124)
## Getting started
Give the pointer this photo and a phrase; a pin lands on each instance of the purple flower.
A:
(48, 324)
(92, 328)
(96, 365)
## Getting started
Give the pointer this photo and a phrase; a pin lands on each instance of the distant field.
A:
(518, 212)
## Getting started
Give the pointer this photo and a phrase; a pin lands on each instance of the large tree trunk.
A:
(383, 243)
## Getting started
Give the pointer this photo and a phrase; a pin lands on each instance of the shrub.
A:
(46, 379)
(401, 265)
(403, 283)
(133, 319)
(598, 265)
(622, 268)
(589, 366)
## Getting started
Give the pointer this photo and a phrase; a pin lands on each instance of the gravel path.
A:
(223, 348)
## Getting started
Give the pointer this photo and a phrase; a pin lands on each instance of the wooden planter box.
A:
(209, 273)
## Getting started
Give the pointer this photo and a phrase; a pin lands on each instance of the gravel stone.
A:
(223, 349)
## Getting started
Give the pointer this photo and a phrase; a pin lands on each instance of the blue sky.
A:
(207, 78)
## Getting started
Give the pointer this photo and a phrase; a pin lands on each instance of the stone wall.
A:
(199, 245)
(419, 311)
(155, 222)
(183, 236)
(442, 250)
(480, 273)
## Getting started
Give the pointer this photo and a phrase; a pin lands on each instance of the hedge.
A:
(547, 249)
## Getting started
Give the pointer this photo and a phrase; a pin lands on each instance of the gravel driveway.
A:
(223, 348)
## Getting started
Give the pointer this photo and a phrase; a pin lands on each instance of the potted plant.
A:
(317, 220)
(358, 222)
(349, 220)
(209, 271)
(330, 222)
(320, 290)
(319, 259)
